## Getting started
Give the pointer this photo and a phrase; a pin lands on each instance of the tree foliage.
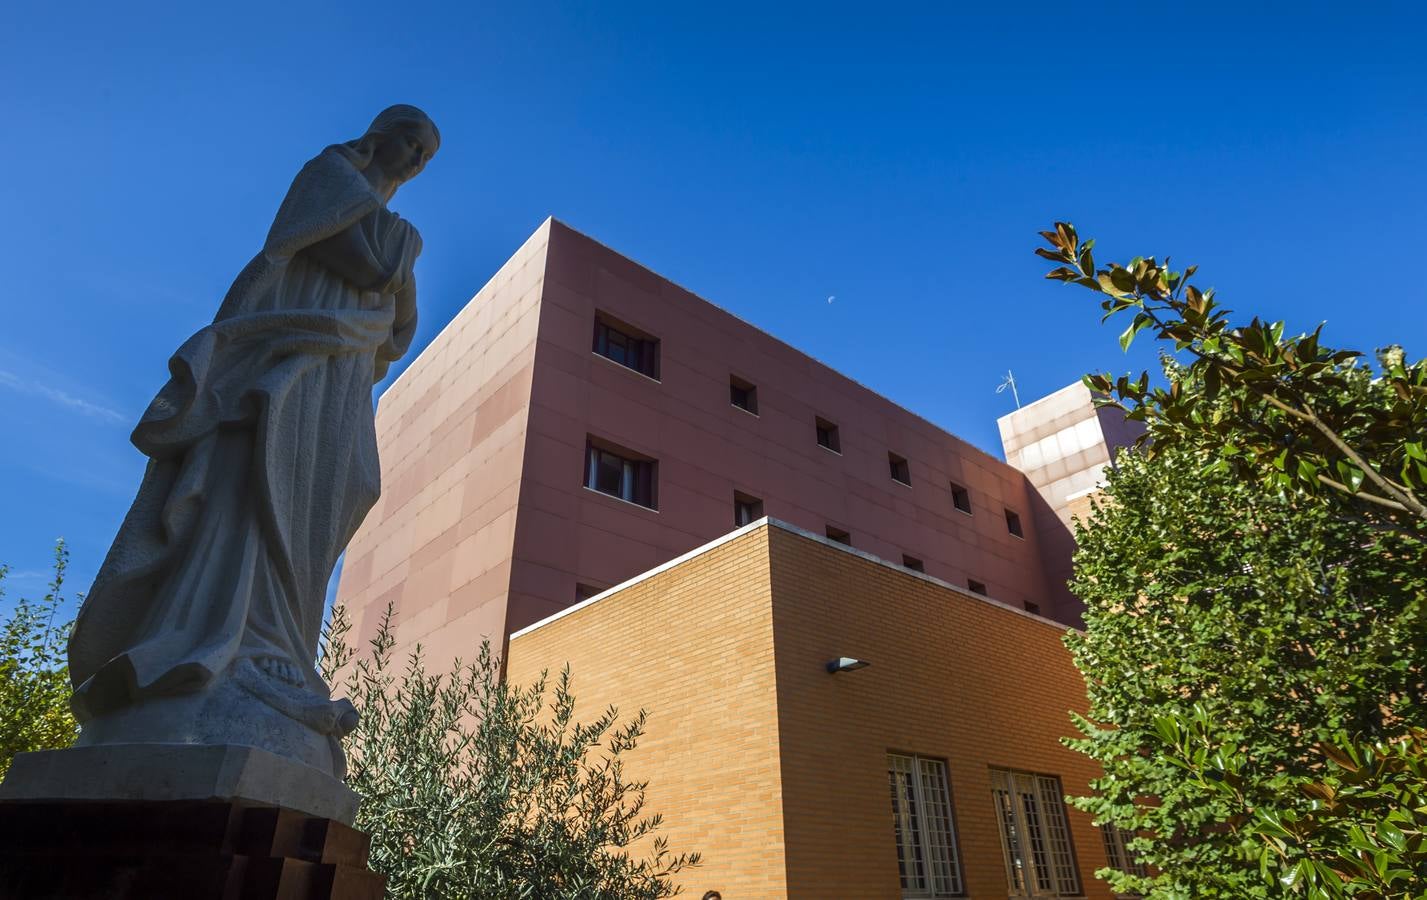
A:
(1296, 414)
(475, 788)
(1284, 623)
(34, 676)
(1358, 828)
(1255, 647)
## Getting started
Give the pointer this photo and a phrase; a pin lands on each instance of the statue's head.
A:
(399, 142)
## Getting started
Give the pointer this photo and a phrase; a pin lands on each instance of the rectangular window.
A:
(1033, 608)
(1013, 524)
(827, 435)
(1035, 836)
(923, 826)
(620, 473)
(585, 591)
(837, 534)
(913, 563)
(746, 509)
(961, 498)
(976, 587)
(626, 345)
(1117, 853)
(742, 394)
(901, 472)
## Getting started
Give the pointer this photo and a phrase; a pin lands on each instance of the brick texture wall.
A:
(775, 769)
(692, 646)
(951, 677)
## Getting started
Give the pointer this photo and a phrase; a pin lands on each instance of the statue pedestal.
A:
(194, 850)
(166, 772)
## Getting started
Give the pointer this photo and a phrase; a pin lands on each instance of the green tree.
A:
(475, 788)
(34, 677)
(1254, 648)
(1284, 622)
(1297, 415)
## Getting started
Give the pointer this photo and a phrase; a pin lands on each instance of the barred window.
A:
(1035, 836)
(923, 825)
(1117, 853)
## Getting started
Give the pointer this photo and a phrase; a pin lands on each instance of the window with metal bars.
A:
(1117, 853)
(1035, 835)
(923, 826)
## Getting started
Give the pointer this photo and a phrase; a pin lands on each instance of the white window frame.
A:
(924, 825)
(1035, 835)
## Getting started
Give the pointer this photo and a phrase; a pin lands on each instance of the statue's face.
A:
(403, 153)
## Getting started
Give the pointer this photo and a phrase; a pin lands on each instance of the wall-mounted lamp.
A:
(846, 664)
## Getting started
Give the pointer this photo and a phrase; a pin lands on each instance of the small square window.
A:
(1033, 608)
(827, 435)
(1013, 524)
(742, 394)
(961, 498)
(626, 345)
(911, 562)
(901, 472)
(586, 591)
(746, 509)
(620, 473)
(977, 587)
(837, 534)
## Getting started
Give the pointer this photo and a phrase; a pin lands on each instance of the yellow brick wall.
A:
(775, 769)
(693, 646)
(951, 677)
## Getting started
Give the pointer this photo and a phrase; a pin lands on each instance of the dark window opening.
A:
(827, 435)
(911, 562)
(977, 587)
(586, 591)
(901, 472)
(1013, 524)
(746, 509)
(961, 498)
(837, 534)
(620, 473)
(1034, 608)
(627, 346)
(743, 394)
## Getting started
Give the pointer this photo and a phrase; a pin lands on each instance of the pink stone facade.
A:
(486, 526)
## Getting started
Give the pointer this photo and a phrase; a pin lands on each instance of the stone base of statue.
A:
(178, 850)
(175, 772)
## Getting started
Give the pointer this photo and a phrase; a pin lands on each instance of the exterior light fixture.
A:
(846, 664)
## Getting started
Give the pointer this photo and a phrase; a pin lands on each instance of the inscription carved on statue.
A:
(204, 621)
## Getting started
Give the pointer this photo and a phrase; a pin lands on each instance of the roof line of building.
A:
(770, 522)
(442, 330)
(773, 337)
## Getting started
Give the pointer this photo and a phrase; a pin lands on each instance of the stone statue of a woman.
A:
(203, 623)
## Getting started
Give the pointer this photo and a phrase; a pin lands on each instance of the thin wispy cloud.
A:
(60, 398)
(27, 574)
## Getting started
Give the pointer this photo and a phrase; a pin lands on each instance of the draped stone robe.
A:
(262, 462)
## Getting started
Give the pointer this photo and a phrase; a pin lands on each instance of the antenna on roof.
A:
(1010, 382)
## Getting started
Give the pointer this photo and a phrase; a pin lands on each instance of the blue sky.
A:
(767, 157)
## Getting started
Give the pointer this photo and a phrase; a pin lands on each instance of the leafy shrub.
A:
(475, 788)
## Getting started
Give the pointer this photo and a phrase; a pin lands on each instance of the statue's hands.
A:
(351, 255)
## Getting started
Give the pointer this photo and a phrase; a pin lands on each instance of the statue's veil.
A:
(360, 151)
